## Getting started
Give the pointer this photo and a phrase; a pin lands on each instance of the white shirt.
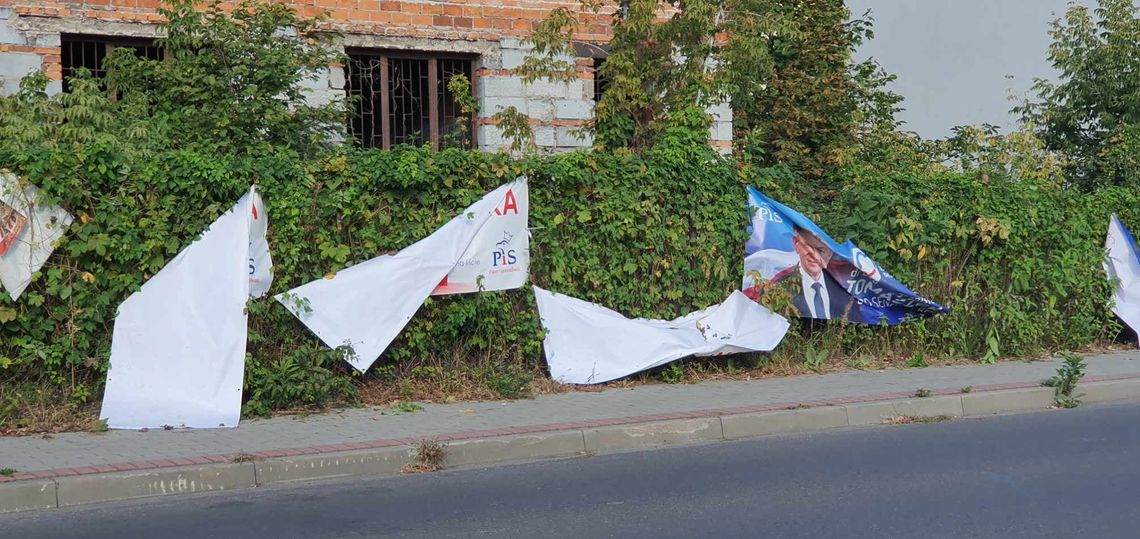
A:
(809, 294)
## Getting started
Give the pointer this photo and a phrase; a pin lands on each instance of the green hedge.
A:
(656, 235)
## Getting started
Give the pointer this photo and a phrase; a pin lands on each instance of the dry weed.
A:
(429, 458)
(910, 419)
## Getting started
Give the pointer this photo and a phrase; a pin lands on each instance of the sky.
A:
(959, 61)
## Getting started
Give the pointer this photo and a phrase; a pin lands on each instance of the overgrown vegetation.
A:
(650, 223)
(1064, 383)
(1092, 115)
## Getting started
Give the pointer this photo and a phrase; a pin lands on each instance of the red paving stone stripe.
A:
(526, 429)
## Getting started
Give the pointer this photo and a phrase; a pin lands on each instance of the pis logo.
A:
(503, 255)
(866, 265)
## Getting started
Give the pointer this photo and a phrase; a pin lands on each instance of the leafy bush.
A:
(654, 233)
(305, 377)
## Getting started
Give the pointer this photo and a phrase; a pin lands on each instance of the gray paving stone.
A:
(83, 489)
(739, 426)
(1007, 401)
(27, 495)
(82, 449)
(656, 434)
(1109, 391)
(384, 461)
(520, 447)
(874, 413)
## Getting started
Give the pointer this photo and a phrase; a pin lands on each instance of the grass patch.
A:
(509, 383)
(242, 457)
(402, 407)
(429, 458)
(922, 393)
(7, 472)
(36, 408)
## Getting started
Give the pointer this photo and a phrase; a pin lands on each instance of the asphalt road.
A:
(1066, 473)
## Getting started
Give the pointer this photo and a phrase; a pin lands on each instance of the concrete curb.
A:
(78, 486)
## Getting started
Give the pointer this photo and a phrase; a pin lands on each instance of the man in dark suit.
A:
(815, 293)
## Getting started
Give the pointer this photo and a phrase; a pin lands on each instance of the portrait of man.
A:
(815, 293)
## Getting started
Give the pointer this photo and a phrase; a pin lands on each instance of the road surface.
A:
(1063, 473)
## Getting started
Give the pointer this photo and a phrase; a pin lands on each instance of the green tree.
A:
(233, 80)
(817, 108)
(668, 61)
(1092, 115)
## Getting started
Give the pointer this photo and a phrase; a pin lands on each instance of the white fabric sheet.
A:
(1123, 266)
(364, 307)
(178, 348)
(28, 233)
(588, 344)
(498, 258)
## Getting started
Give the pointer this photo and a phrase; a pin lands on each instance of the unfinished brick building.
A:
(400, 55)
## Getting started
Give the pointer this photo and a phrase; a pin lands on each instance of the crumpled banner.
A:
(787, 253)
(28, 233)
(362, 308)
(588, 344)
(1123, 268)
(178, 348)
(498, 258)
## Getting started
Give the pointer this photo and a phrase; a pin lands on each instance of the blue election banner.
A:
(826, 280)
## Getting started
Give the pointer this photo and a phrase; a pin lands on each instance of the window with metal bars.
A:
(600, 83)
(90, 51)
(403, 98)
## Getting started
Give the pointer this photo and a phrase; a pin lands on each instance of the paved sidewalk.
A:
(104, 452)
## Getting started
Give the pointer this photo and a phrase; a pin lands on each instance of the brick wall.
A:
(490, 29)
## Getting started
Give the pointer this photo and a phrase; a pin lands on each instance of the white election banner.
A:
(1123, 267)
(588, 344)
(499, 255)
(28, 233)
(178, 348)
(364, 307)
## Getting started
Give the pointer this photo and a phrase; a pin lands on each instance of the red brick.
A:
(463, 22)
(442, 20)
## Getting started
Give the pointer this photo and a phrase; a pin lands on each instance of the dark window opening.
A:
(80, 51)
(403, 98)
(600, 83)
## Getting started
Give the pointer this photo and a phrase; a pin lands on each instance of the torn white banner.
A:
(499, 255)
(588, 344)
(1123, 267)
(28, 233)
(365, 306)
(178, 348)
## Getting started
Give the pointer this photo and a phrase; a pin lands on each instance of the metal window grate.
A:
(403, 99)
(81, 51)
(599, 82)
(408, 95)
(453, 130)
